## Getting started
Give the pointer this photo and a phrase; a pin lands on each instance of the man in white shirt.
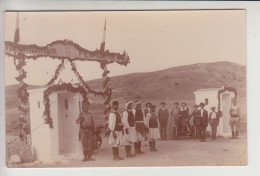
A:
(116, 127)
(129, 128)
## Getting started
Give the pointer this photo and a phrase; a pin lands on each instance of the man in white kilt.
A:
(115, 125)
(129, 128)
(153, 124)
(139, 126)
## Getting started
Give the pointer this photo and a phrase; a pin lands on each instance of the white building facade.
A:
(218, 97)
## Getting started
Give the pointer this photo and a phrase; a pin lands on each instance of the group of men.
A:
(136, 125)
(132, 128)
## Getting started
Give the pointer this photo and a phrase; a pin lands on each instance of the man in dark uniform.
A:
(163, 116)
(87, 128)
(203, 122)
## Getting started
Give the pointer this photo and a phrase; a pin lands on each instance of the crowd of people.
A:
(137, 125)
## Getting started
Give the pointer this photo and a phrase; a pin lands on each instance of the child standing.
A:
(213, 121)
(153, 124)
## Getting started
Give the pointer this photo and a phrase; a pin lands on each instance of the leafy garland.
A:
(57, 72)
(55, 88)
(223, 90)
(103, 57)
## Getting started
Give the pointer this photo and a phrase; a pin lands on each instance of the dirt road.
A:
(183, 152)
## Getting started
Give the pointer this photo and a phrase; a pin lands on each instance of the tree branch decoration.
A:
(222, 91)
(62, 50)
(55, 88)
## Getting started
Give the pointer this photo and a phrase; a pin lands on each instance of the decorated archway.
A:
(64, 51)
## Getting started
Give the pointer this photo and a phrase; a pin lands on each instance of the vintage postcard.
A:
(125, 88)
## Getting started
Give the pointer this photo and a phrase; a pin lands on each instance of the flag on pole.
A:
(102, 47)
(17, 33)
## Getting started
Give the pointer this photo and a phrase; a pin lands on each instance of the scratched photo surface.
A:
(125, 88)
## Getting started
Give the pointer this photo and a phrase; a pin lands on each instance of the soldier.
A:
(129, 128)
(87, 128)
(140, 127)
(234, 118)
(153, 124)
(116, 127)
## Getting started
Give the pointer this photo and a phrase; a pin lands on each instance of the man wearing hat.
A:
(116, 127)
(173, 119)
(163, 116)
(196, 120)
(129, 128)
(140, 126)
(87, 128)
(153, 124)
(183, 116)
(147, 109)
(203, 122)
(213, 121)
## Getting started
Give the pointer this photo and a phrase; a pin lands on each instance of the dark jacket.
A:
(196, 119)
(163, 116)
(204, 118)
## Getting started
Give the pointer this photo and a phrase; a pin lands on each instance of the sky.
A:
(154, 40)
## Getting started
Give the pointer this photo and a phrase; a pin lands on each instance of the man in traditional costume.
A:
(234, 120)
(86, 132)
(140, 127)
(116, 127)
(129, 128)
(153, 124)
(163, 116)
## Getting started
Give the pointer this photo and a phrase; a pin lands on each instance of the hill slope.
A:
(175, 83)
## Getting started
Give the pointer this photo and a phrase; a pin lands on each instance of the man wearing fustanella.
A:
(129, 128)
(87, 128)
(116, 127)
(163, 116)
(153, 124)
(140, 127)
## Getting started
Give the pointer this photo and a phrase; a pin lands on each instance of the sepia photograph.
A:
(125, 88)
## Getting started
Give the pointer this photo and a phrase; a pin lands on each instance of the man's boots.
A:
(114, 149)
(151, 146)
(85, 156)
(136, 148)
(128, 151)
(154, 149)
(90, 156)
(233, 134)
(117, 154)
(139, 148)
(237, 134)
